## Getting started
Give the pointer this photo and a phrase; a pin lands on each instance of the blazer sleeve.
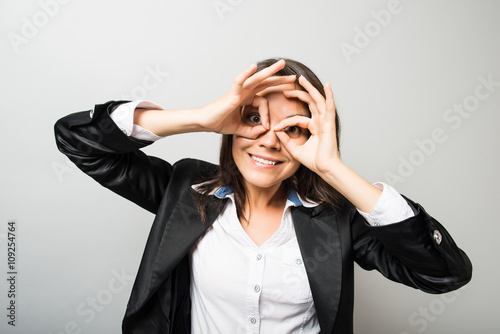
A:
(100, 149)
(418, 252)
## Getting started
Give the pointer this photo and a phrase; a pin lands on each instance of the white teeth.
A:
(263, 161)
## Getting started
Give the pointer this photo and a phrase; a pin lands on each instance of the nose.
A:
(269, 140)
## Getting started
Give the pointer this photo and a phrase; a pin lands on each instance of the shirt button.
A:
(298, 261)
(256, 288)
(252, 320)
(259, 256)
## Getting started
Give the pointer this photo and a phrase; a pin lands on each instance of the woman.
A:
(266, 241)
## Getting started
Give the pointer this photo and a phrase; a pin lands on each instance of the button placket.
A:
(258, 275)
(254, 291)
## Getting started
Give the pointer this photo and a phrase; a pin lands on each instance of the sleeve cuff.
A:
(123, 116)
(390, 208)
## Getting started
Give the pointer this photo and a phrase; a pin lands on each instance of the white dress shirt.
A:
(239, 287)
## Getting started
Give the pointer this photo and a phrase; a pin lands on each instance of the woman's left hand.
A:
(319, 153)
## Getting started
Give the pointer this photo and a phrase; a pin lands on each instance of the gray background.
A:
(75, 237)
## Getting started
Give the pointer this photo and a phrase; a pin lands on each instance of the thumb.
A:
(250, 132)
(289, 145)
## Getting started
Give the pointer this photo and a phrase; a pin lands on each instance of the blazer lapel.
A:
(319, 241)
(169, 242)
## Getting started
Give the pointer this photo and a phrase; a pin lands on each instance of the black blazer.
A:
(417, 252)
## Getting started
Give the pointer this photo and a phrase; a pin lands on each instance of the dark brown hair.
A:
(305, 182)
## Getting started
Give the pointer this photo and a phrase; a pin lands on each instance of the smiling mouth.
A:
(264, 161)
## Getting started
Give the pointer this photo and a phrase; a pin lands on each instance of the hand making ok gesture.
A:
(224, 114)
(319, 153)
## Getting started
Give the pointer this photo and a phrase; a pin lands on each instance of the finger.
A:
(315, 94)
(275, 83)
(330, 103)
(288, 144)
(299, 94)
(256, 131)
(249, 132)
(263, 106)
(243, 76)
(304, 97)
(260, 76)
(278, 80)
(300, 121)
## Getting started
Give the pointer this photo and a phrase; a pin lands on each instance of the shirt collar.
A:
(226, 191)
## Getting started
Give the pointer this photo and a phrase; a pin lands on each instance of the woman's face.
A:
(264, 162)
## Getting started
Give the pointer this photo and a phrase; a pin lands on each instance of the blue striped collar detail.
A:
(293, 197)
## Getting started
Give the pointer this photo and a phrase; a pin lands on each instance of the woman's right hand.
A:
(224, 115)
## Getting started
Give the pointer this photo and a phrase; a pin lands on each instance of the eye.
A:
(253, 119)
(293, 131)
